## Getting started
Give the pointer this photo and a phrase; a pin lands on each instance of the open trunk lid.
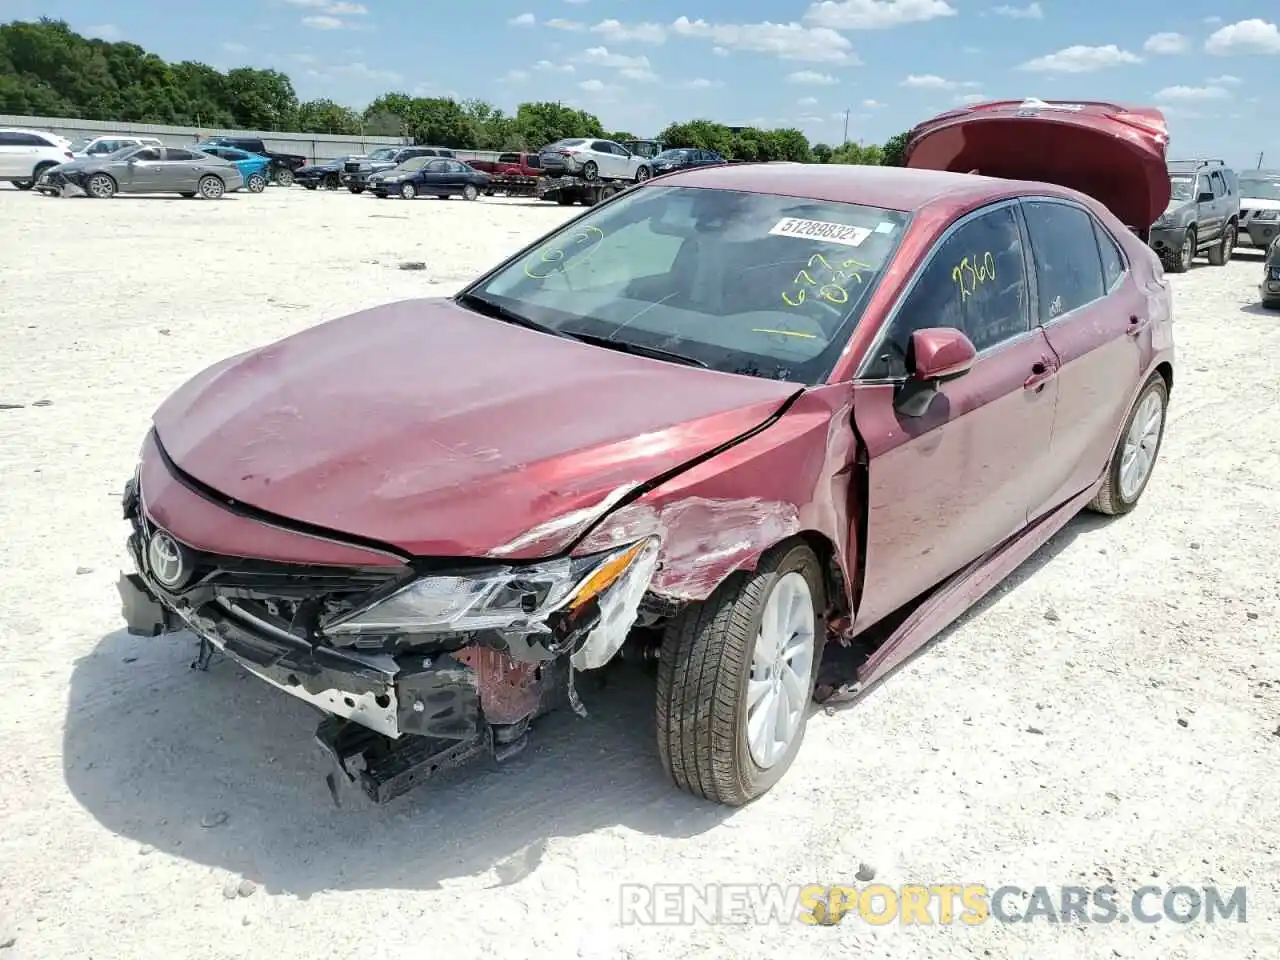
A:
(1112, 152)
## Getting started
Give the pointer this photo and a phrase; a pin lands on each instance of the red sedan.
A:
(719, 421)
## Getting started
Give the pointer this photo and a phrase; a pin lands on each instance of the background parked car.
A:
(683, 158)
(510, 165)
(1259, 207)
(327, 174)
(1203, 215)
(252, 167)
(26, 154)
(187, 173)
(106, 145)
(1271, 277)
(430, 176)
(282, 164)
(356, 173)
(593, 160)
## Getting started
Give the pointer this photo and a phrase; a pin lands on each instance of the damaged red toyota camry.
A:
(720, 420)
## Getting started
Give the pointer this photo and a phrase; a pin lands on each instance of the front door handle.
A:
(1137, 325)
(1042, 371)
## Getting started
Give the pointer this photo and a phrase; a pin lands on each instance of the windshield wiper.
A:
(640, 350)
(497, 311)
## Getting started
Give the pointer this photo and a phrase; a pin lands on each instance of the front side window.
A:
(147, 153)
(1065, 252)
(975, 281)
(747, 283)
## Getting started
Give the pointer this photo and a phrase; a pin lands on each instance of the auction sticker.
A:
(820, 230)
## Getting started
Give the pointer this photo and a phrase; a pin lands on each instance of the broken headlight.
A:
(495, 598)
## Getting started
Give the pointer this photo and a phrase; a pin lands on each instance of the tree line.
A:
(49, 70)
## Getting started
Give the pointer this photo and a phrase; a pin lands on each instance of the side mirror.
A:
(935, 355)
(1206, 197)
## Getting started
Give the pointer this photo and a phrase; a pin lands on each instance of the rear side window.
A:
(509, 158)
(532, 160)
(1112, 259)
(975, 281)
(23, 140)
(1065, 252)
(173, 153)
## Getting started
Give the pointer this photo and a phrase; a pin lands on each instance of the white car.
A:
(1259, 208)
(103, 145)
(26, 154)
(593, 160)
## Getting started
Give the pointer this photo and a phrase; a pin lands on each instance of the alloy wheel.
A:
(1140, 445)
(778, 690)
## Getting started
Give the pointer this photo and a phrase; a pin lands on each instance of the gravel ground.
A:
(1110, 715)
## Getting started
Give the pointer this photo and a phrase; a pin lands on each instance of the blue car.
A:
(251, 166)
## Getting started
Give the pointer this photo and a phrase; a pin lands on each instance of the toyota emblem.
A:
(167, 560)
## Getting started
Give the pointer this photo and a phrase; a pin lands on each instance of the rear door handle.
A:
(1137, 325)
(1042, 371)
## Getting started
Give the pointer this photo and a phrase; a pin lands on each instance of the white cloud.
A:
(1247, 36)
(1166, 43)
(323, 22)
(524, 20)
(928, 81)
(546, 66)
(615, 31)
(1192, 93)
(331, 7)
(812, 78)
(1032, 11)
(872, 104)
(356, 73)
(788, 41)
(702, 83)
(515, 76)
(807, 102)
(971, 98)
(1081, 59)
(601, 57)
(104, 31)
(720, 51)
(875, 14)
(1225, 80)
(573, 26)
(639, 74)
(1211, 20)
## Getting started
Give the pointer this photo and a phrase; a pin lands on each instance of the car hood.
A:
(1258, 203)
(440, 432)
(1175, 207)
(1113, 153)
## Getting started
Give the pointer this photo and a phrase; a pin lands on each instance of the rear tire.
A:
(331, 181)
(590, 171)
(284, 177)
(408, 191)
(643, 174)
(356, 189)
(565, 201)
(1220, 255)
(708, 669)
(469, 192)
(256, 183)
(211, 188)
(24, 184)
(1117, 495)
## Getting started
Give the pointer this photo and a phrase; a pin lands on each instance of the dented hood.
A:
(443, 433)
(1112, 152)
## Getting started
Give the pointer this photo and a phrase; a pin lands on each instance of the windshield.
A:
(740, 282)
(78, 145)
(1181, 187)
(387, 153)
(1260, 188)
(415, 163)
(672, 155)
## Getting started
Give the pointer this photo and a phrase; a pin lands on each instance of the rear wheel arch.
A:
(1165, 369)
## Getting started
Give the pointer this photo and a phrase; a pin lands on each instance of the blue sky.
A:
(890, 63)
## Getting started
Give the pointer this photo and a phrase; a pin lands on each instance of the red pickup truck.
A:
(510, 165)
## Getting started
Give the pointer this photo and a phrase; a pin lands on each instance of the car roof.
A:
(38, 133)
(892, 188)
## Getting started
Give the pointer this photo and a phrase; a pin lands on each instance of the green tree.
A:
(537, 124)
(325, 116)
(261, 99)
(700, 134)
(822, 153)
(894, 151)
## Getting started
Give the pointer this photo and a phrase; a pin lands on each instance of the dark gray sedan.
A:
(146, 169)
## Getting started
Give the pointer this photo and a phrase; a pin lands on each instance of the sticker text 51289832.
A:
(820, 230)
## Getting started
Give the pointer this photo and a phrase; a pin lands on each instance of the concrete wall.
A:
(315, 147)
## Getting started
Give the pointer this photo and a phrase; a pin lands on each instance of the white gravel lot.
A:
(1142, 652)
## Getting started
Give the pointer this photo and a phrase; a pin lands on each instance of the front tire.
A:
(469, 192)
(643, 174)
(210, 188)
(408, 191)
(1181, 260)
(256, 183)
(590, 171)
(1220, 255)
(101, 186)
(1134, 459)
(736, 676)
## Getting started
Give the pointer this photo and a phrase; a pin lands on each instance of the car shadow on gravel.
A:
(1258, 310)
(221, 769)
